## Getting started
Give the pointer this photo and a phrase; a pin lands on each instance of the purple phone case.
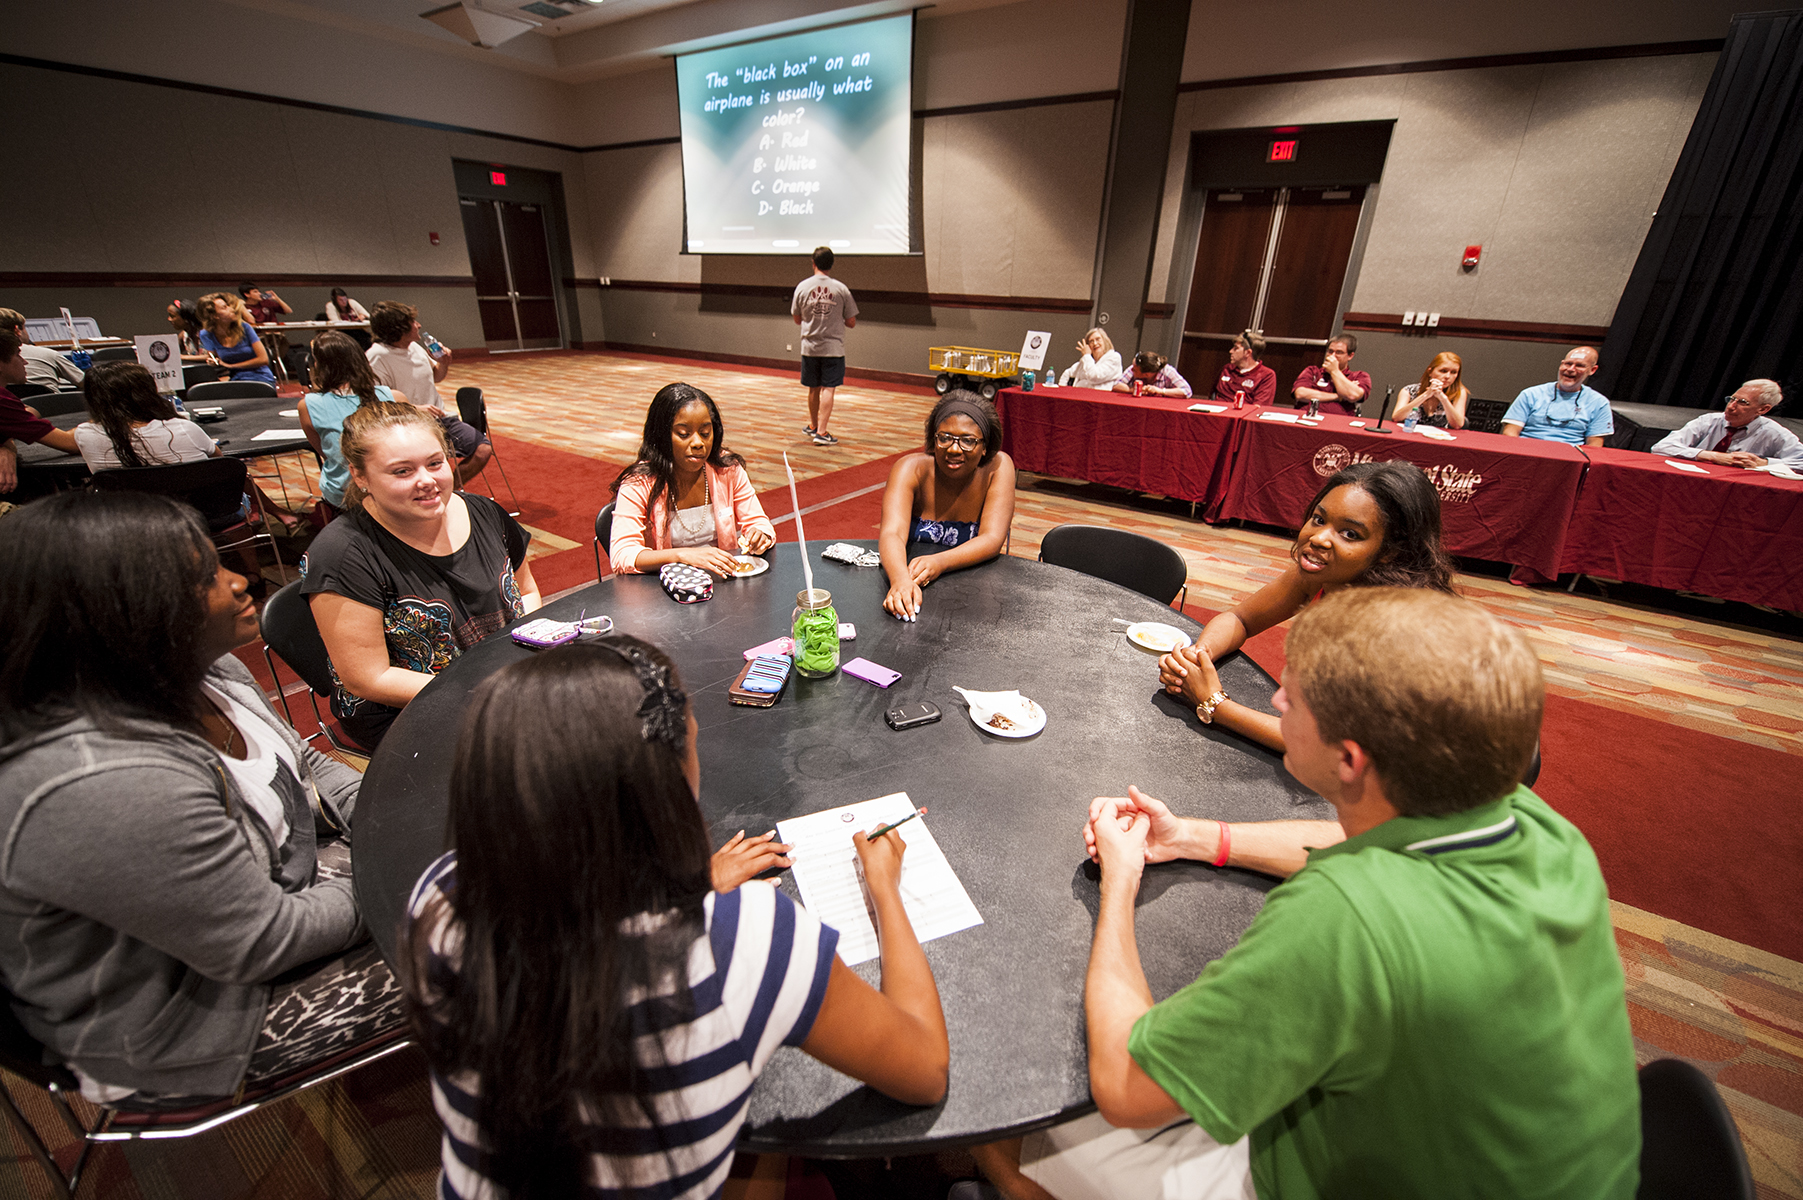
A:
(870, 672)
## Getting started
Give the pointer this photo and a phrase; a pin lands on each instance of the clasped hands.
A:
(1188, 672)
(1124, 833)
(903, 599)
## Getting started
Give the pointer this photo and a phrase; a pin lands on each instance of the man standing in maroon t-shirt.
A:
(1337, 389)
(1245, 377)
(18, 421)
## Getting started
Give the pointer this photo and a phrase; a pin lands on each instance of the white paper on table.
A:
(1684, 466)
(1208, 408)
(277, 435)
(1292, 418)
(826, 874)
(289, 412)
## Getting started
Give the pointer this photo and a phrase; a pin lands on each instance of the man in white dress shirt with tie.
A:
(1741, 435)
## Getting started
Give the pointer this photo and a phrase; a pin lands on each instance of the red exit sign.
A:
(1282, 152)
(499, 178)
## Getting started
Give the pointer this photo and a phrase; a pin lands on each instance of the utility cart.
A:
(981, 371)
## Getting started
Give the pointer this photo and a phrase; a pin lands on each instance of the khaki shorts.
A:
(1089, 1159)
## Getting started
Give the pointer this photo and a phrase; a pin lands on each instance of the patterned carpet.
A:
(1728, 671)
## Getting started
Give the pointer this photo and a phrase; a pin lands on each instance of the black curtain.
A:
(1716, 297)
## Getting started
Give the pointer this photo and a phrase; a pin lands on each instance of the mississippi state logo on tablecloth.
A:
(1330, 458)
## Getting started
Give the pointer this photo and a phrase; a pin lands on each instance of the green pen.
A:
(874, 834)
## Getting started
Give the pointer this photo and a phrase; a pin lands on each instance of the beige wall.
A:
(255, 47)
(1313, 35)
(1554, 169)
(305, 193)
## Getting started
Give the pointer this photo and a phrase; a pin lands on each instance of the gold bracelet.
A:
(1205, 711)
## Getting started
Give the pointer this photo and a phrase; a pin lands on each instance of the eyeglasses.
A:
(945, 441)
(1731, 401)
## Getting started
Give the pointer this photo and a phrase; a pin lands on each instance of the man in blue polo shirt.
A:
(1564, 410)
(1430, 1004)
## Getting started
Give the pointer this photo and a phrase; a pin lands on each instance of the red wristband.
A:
(1226, 845)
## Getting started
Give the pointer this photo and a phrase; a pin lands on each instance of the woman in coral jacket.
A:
(687, 499)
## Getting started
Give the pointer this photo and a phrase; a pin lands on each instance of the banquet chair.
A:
(216, 487)
(115, 354)
(25, 390)
(1689, 1145)
(474, 412)
(1132, 560)
(604, 533)
(58, 404)
(25, 1057)
(198, 373)
(228, 389)
(289, 630)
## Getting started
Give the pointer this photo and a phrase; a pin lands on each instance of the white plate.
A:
(1035, 722)
(759, 565)
(1157, 637)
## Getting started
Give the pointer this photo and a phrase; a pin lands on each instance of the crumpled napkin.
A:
(983, 705)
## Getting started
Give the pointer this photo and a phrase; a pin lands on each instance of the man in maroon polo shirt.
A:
(18, 421)
(1244, 376)
(1337, 389)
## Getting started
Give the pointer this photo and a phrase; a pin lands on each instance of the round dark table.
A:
(244, 420)
(1008, 813)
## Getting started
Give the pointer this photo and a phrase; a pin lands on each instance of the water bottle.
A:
(815, 629)
(1409, 422)
(1051, 380)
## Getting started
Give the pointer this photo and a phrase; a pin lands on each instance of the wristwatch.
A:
(1205, 711)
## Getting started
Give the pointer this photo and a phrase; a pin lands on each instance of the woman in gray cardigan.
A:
(176, 915)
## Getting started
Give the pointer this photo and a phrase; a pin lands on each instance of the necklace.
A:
(707, 502)
(231, 730)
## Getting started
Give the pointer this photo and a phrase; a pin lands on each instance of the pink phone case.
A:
(870, 672)
(775, 647)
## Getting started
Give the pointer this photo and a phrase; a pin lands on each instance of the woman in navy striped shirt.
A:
(595, 1014)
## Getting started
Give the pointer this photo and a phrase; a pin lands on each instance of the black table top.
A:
(244, 420)
(1008, 813)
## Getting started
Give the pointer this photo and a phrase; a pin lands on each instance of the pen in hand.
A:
(880, 830)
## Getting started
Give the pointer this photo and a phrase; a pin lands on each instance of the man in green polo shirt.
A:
(1431, 1003)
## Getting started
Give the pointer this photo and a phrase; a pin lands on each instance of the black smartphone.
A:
(907, 716)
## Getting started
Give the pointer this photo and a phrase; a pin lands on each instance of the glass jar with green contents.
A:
(816, 634)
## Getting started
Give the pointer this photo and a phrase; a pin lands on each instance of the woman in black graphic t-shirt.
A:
(413, 573)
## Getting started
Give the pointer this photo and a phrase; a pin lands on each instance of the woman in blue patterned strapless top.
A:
(954, 502)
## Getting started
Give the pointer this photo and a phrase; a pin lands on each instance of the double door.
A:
(1272, 260)
(510, 256)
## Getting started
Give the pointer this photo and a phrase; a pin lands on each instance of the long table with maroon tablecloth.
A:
(1144, 443)
(1728, 532)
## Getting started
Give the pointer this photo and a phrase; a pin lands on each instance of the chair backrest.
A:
(288, 629)
(198, 373)
(229, 389)
(115, 354)
(22, 390)
(1689, 1145)
(215, 486)
(471, 410)
(57, 404)
(604, 526)
(1485, 416)
(1132, 560)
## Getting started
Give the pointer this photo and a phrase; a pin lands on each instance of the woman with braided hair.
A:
(599, 1031)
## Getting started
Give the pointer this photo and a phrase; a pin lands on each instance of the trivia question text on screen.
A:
(799, 141)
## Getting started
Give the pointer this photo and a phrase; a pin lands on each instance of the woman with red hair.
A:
(1441, 395)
